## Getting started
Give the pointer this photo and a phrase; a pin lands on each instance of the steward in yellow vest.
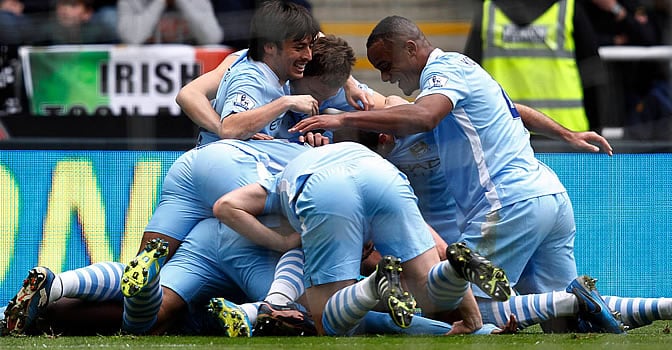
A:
(535, 63)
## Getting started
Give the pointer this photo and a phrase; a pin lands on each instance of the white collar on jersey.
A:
(434, 55)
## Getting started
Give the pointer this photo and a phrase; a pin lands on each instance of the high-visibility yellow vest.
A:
(535, 64)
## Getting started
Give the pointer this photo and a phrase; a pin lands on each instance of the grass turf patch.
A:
(655, 336)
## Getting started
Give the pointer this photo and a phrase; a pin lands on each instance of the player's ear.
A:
(270, 48)
(384, 139)
(410, 47)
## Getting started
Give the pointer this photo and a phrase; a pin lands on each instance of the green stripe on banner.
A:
(63, 81)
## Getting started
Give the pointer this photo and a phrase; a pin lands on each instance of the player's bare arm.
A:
(238, 210)
(421, 116)
(538, 122)
(245, 124)
(194, 98)
(471, 315)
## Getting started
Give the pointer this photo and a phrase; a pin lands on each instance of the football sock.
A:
(287, 283)
(346, 308)
(96, 282)
(445, 288)
(638, 312)
(251, 310)
(141, 311)
(529, 309)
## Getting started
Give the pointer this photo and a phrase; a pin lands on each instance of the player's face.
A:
(395, 65)
(314, 87)
(290, 60)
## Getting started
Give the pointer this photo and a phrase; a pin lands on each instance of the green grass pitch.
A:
(655, 336)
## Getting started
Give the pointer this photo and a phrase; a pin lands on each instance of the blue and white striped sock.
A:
(96, 282)
(445, 288)
(346, 308)
(638, 312)
(141, 311)
(529, 309)
(287, 283)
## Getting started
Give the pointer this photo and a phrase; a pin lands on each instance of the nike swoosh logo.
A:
(589, 296)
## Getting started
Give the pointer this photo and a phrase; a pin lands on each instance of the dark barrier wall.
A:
(66, 209)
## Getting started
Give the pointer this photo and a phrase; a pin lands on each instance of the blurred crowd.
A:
(61, 22)
(644, 85)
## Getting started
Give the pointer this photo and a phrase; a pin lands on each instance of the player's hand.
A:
(324, 122)
(511, 327)
(314, 139)
(470, 316)
(355, 95)
(590, 141)
(260, 136)
(305, 104)
(459, 327)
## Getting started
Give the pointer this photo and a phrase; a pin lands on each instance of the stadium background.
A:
(77, 188)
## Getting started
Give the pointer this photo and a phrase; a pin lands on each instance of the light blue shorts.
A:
(220, 168)
(180, 207)
(215, 261)
(344, 206)
(532, 240)
(196, 180)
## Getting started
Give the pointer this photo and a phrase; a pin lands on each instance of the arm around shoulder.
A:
(238, 210)
(194, 98)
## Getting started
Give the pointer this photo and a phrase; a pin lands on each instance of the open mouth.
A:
(300, 67)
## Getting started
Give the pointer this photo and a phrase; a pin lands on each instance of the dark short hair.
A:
(368, 139)
(332, 61)
(394, 28)
(276, 21)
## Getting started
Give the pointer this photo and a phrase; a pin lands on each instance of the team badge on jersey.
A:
(436, 81)
(244, 101)
(419, 148)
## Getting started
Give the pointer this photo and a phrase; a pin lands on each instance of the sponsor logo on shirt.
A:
(419, 148)
(436, 81)
(419, 166)
(468, 61)
(244, 101)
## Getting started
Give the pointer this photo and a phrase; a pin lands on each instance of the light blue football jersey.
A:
(417, 156)
(205, 136)
(248, 85)
(248, 98)
(483, 145)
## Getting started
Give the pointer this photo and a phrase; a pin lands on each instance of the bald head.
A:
(399, 50)
(396, 29)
